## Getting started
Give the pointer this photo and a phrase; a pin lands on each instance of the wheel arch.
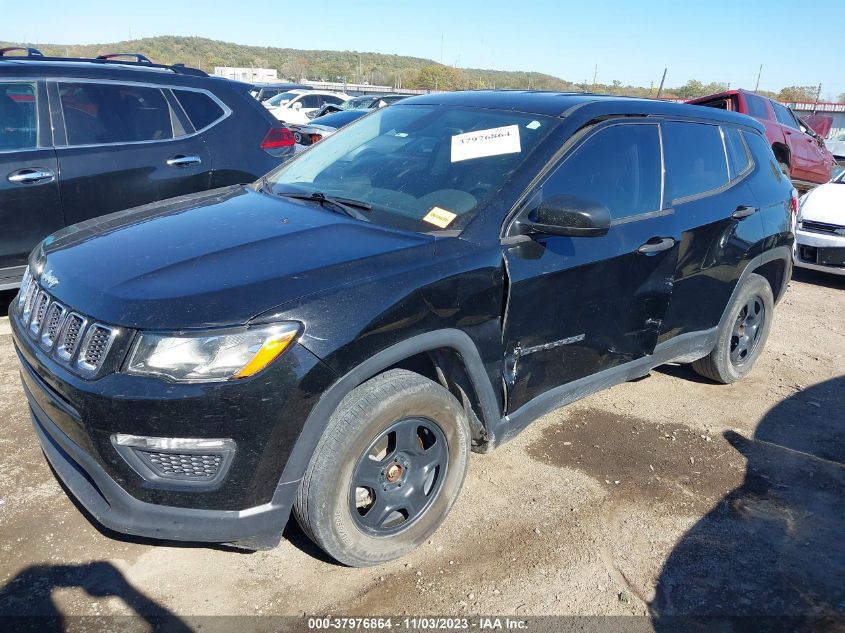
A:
(442, 347)
(767, 265)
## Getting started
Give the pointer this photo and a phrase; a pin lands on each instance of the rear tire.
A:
(743, 334)
(386, 471)
(784, 168)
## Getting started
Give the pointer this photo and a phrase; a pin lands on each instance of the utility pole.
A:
(818, 96)
(660, 89)
(759, 73)
(595, 76)
(441, 48)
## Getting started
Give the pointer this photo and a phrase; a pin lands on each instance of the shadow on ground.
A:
(771, 554)
(27, 601)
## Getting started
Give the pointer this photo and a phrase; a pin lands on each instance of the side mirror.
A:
(567, 215)
(297, 105)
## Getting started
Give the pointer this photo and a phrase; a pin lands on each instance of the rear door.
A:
(123, 145)
(581, 305)
(707, 169)
(30, 207)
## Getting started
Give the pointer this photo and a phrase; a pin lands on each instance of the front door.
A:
(125, 146)
(580, 305)
(30, 207)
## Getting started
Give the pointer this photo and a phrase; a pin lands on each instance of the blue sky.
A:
(631, 41)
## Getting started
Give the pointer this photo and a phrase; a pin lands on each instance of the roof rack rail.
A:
(141, 59)
(30, 52)
(33, 54)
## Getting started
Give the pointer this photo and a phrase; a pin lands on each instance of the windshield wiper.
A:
(346, 206)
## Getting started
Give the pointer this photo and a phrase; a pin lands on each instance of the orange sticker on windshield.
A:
(439, 217)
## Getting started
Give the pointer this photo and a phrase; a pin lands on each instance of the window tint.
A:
(762, 152)
(756, 106)
(201, 109)
(618, 166)
(783, 115)
(113, 113)
(18, 116)
(737, 152)
(311, 101)
(695, 158)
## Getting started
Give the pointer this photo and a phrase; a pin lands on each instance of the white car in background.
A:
(293, 106)
(820, 231)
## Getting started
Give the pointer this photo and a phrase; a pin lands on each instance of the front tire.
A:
(743, 334)
(386, 471)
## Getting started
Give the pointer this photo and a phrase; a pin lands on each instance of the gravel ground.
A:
(668, 495)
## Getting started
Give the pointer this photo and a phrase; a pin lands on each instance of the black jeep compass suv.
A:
(337, 337)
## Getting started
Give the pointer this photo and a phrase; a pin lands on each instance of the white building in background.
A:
(250, 75)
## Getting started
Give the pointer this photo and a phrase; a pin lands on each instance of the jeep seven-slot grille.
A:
(65, 334)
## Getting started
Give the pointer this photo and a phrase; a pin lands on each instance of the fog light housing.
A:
(176, 463)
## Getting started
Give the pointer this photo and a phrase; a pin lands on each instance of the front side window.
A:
(98, 114)
(419, 167)
(619, 166)
(695, 158)
(282, 98)
(784, 116)
(18, 116)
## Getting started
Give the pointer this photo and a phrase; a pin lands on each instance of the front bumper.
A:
(807, 244)
(75, 420)
(259, 527)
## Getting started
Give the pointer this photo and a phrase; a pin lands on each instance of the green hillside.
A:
(377, 68)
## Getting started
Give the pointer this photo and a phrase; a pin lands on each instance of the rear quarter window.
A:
(695, 159)
(201, 109)
(738, 157)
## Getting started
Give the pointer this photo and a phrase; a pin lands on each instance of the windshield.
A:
(282, 98)
(420, 167)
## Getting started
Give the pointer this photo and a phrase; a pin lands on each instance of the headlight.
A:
(210, 356)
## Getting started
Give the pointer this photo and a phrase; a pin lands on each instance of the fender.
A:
(774, 254)
(317, 420)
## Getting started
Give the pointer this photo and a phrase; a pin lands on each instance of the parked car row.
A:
(800, 150)
(85, 137)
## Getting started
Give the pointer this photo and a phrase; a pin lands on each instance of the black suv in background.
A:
(81, 138)
(336, 338)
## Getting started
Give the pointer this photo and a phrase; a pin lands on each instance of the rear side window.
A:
(784, 116)
(695, 158)
(756, 106)
(201, 109)
(762, 152)
(18, 116)
(618, 166)
(114, 113)
(738, 157)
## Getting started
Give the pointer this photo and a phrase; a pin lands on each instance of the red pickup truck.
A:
(800, 150)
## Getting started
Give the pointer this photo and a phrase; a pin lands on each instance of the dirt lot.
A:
(667, 495)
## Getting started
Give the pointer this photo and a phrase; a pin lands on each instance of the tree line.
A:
(380, 69)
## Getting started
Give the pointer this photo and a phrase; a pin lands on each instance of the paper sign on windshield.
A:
(492, 142)
(439, 217)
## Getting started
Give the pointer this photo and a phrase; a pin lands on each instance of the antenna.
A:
(760, 72)
(660, 89)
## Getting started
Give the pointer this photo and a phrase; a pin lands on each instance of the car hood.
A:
(217, 258)
(825, 203)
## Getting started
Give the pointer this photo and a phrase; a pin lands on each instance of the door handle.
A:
(31, 176)
(184, 160)
(656, 245)
(743, 211)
